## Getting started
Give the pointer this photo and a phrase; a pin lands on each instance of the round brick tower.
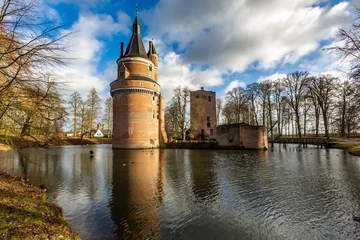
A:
(138, 107)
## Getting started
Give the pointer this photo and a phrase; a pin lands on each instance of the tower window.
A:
(141, 84)
(130, 130)
(208, 118)
(197, 96)
(150, 67)
(208, 125)
(209, 98)
(153, 113)
(153, 98)
(122, 73)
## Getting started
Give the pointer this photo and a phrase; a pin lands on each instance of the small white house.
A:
(99, 133)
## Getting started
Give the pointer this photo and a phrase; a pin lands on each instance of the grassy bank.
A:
(85, 141)
(351, 147)
(25, 214)
(13, 142)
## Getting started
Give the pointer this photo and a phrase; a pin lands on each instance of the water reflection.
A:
(138, 189)
(283, 193)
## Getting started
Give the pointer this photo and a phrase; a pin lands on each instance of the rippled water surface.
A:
(284, 193)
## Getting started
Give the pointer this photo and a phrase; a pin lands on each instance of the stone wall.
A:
(242, 136)
(228, 135)
(203, 114)
(253, 137)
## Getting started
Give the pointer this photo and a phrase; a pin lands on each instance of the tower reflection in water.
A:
(138, 189)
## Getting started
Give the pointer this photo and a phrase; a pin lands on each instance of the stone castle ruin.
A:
(138, 107)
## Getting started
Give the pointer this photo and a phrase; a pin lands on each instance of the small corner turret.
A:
(152, 54)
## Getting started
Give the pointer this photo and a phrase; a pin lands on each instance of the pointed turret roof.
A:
(153, 50)
(136, 47)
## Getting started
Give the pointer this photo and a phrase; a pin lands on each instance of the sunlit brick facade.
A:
(137, 102)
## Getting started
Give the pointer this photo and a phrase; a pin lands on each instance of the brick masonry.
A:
(138, 107)
(242, 136)
(203, 114)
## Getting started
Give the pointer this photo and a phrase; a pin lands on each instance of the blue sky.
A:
(215, 44)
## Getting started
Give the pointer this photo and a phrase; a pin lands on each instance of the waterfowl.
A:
(43, 187)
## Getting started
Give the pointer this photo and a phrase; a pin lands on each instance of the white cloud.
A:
(174, 72)
(272, 77)
(327, 63)
(86, 48)
(234, 34)
(234, 84)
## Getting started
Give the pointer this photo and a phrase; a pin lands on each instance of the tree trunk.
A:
(317, 123)
(326, 126)
(25, 127)
(343, 112)
(297, 117)
(75, 113)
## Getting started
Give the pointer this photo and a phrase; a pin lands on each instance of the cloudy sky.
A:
(211, 43)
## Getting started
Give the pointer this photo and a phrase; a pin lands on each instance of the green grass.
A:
(351, 147)
(25, 214)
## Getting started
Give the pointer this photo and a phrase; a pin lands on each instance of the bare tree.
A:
(29, 43)
(31, 47)
(74, 103)
(348, 47)
(84, 115)
(323, 88)
(278, 91)
(171, 120)
(252, 92)
(236, 107)
(266, 91)
(109, 116)
(219, 107)
(93, 101)
(296, 84)
(177, 113)
(316, 108)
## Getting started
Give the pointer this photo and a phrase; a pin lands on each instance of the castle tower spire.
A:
(136, 47)
(138, 107)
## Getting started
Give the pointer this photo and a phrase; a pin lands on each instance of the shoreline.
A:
(352, 146)
(31, 143)
(26, 214)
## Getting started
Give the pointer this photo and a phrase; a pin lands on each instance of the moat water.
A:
(284, 193)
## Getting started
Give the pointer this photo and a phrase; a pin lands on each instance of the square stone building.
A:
(203, 114)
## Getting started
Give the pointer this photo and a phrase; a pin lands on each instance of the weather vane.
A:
(136, 9)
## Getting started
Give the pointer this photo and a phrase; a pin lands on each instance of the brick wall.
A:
(228, 135)
(203, 114)
(135, 126)
(253, 137)
(242, 136)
